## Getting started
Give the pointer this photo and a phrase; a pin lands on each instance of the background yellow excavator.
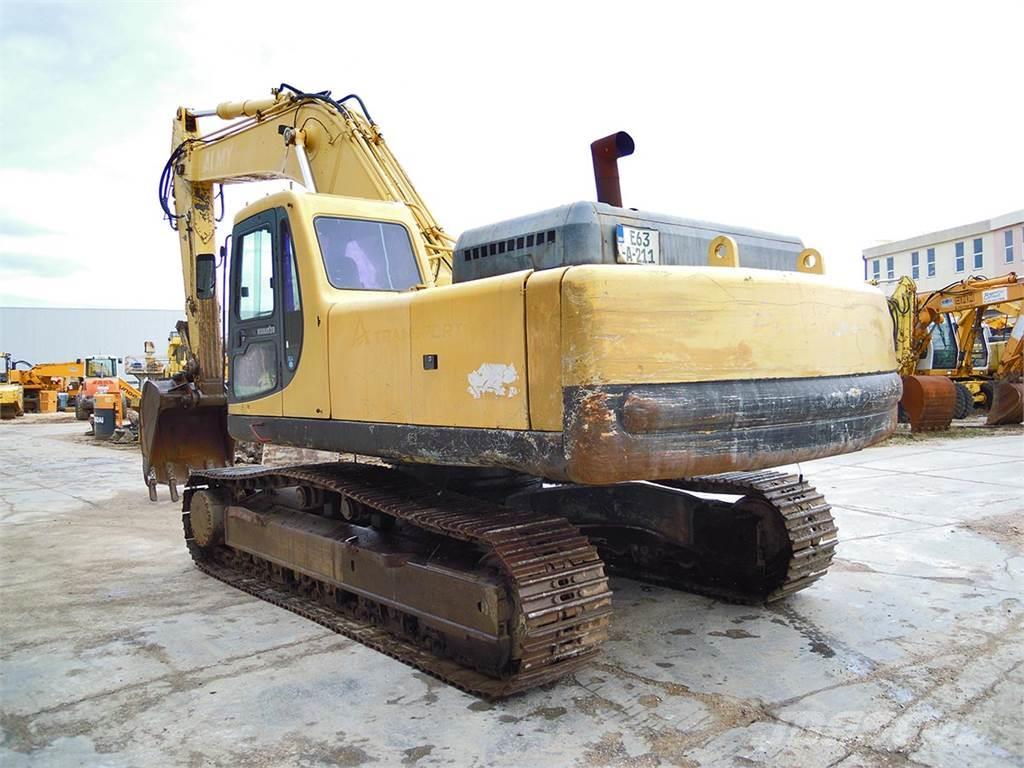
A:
(43, 382)
(938, 334)
(12, 395)
(546, 398)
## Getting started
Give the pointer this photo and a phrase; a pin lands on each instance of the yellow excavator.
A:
(12, 397)
(936, 333)
(41, 382)
(586, 389)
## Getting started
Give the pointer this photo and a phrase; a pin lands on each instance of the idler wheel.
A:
(206, 515)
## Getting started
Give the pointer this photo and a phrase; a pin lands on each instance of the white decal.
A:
(494, 379)
(993, 295)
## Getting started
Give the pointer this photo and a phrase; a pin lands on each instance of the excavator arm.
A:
(326, 145)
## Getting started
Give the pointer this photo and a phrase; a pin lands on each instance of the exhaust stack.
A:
(606, 153)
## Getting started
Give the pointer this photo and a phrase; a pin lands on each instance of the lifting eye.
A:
(810, 261)
(723, 252)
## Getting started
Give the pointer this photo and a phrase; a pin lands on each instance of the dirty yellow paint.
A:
(369, 357)
(271, 405)
(378, 342)
(683, 324)
(544, 348)
(474, 329)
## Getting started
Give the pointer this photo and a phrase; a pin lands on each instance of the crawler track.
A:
(807, 517)
(555, 581)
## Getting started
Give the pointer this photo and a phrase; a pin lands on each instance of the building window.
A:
(1008, 245)
(876, 267)
(931, 262)
(890, 269)
(959, 257)
(915, 265)
(979, 258)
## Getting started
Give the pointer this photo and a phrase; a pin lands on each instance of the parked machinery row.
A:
(959, 346)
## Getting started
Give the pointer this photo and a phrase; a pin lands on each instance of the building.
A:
(56, 334)
(989, 248)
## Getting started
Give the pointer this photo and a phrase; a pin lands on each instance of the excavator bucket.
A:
(1007, 404)
(181, 430)
(929, 402)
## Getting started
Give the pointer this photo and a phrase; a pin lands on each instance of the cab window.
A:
(943, 342)
(369, 255)
(255, 370)
(255, 286)
(291, 299)
(99, 367)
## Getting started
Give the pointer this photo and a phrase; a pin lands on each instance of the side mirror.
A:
(206, 276)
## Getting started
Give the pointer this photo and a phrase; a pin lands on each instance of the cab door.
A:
(254, 344)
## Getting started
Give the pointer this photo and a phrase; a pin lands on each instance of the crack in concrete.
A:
(894, 673)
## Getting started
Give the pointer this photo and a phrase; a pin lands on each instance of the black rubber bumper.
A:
(663, 431)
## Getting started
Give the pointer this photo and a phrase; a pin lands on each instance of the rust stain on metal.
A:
(929, 402)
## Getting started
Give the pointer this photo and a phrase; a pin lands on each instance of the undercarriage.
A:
(494, 584)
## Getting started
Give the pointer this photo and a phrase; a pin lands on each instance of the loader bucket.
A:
(929, 402)
(181, 429)
(1007, 404)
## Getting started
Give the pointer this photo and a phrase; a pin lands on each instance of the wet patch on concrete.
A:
(735, 634)
(415, 754)
(432, 685)
(300, 750)
(548, 713)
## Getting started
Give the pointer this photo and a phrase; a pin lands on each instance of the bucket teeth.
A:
(150, 475)
(172, 482)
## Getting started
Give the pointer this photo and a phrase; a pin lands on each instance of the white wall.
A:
(993, 264)
(46, 335)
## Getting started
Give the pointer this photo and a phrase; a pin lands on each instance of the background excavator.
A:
(937, 335)
(546, 398)
(12, 397)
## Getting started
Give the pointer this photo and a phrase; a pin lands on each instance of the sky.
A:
(845, 124)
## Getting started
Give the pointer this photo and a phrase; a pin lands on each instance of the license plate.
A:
(636, 246)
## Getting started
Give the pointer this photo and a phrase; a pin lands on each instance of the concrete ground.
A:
(117, 652)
